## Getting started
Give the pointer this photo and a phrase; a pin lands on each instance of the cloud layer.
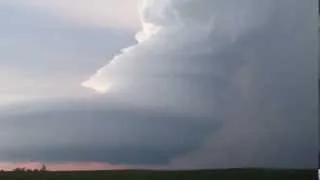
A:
(110, 132)
(250, 65)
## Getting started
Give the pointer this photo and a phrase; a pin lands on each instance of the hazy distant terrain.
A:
(246, 174)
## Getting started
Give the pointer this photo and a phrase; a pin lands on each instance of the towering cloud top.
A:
(181, 24)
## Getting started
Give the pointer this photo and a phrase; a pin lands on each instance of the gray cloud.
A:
(104, 132)
(249, 64)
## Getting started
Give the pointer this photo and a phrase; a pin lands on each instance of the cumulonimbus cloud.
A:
(250, 64)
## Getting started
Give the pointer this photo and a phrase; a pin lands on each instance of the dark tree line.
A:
(22, 169)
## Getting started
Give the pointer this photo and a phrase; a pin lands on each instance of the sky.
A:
(170, 84)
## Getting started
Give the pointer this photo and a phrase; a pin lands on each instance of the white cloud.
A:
(250, 64)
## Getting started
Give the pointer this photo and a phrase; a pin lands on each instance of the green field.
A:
(235, 174)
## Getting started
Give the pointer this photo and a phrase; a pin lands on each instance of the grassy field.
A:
(236, 174)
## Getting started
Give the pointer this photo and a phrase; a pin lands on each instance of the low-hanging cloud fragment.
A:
(250, 64)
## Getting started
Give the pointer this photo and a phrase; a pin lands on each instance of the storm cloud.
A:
(250, 64)
(209, 84)
(99, 133)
